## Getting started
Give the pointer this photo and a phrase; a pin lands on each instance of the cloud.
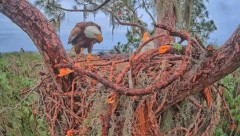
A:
(12, 38)
(226, 17)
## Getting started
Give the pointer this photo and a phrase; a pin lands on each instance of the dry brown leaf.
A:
(78, 64)
(111, 100)
(145, 37)
(208, 96)
(164, 48)
(64, 71)
(70, 133)
(142, 120)
(232, 126)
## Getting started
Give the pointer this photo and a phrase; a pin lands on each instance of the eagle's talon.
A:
(90, 57)
(85, 35)
(79, 57)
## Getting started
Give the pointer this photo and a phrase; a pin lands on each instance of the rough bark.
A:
(223, 62)
(165, 16)
(42, 33)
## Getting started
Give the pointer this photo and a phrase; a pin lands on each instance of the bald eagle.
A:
(85, 35)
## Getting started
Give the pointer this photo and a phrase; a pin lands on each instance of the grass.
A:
(18, 73)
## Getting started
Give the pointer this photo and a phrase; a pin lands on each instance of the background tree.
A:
(183, 14)
(200, 25)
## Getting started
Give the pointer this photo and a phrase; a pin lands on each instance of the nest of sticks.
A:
(123, 94)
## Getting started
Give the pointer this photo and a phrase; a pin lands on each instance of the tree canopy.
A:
(190, 15)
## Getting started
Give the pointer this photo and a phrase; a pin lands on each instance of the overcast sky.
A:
(226, 15)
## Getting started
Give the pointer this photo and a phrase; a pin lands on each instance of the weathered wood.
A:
(38, 28)
(223, 62)
(167, 17)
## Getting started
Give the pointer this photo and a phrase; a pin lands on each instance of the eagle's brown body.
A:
(79, 39)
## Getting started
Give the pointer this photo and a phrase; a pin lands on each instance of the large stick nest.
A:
(122, 94)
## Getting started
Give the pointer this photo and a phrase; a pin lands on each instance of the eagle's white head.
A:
(93, 32)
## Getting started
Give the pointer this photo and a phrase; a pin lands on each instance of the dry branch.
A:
(42, 33)
(224, 61)
(84, 10)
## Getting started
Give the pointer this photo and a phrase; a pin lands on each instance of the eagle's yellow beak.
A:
(99, 38)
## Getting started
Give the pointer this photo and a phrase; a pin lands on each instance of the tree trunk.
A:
(38, 28)
(223, 62)
(166, 15)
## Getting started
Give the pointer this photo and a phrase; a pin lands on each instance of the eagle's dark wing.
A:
(78, 39)
(77, 31)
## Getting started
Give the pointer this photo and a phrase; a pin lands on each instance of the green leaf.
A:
(177, 46)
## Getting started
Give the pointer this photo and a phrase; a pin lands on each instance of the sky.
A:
(224, 13)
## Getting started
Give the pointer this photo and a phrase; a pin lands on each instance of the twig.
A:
(54, 119)
(110, 63)
(144, 5)
(143, 29)
(64, 108)
(158, 110)
(226, 107)
(200, 42)
(111, 72)
(129, 6)
(181, 34)
(84, 10)
(130, 79)
(153, 122)
(72, 94)
(177, 129)
(195, 103)
(18, 104)
(145, 43)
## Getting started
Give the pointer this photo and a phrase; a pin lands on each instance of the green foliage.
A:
(219, 132)
(54, 14)
(177, 46)
(200, 24)
(233, 100)
(131, 45)
(19, 72)
(190, 14)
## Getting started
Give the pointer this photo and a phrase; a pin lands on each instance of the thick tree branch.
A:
(42, 33)
(144, 5)
(223, 62)
(143, 29)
